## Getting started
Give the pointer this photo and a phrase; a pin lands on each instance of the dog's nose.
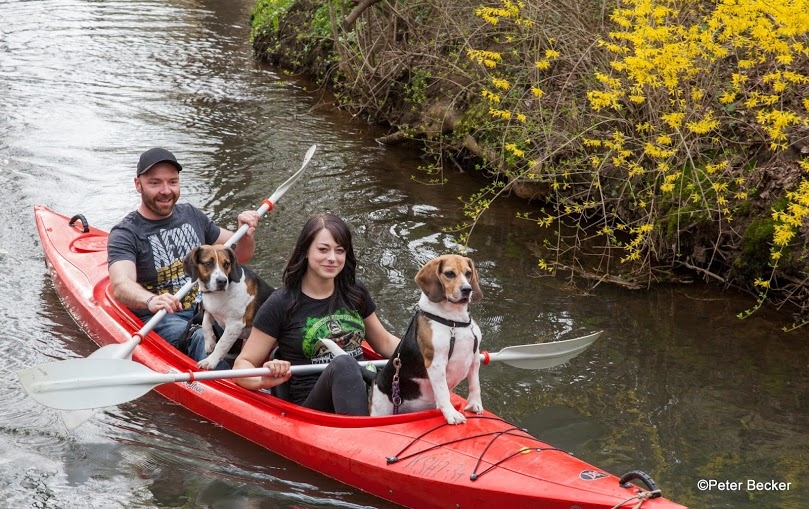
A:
(221, 283)
(466, 289)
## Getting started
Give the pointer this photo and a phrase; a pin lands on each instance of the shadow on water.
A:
(676, 386)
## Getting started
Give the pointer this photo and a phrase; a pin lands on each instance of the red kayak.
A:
(415, 460)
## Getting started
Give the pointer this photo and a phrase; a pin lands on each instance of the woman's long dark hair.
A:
(346, 292)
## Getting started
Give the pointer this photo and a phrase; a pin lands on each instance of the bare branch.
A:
(356, 12)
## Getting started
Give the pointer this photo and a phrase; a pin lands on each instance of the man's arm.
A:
(246, 246)
(127, 291)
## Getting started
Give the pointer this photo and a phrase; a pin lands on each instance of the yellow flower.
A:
(727, 97)
(761, 283)
(673, 120)
(491, 96)
(511, 147)
(481, 57)
(505, 115)
(635, 169)
(501, 83)
(599, 100)
(703, 126)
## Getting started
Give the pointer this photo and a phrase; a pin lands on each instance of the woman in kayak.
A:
(320, 298)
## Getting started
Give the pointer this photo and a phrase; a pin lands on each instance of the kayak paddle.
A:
(89, 383)
(124, 350)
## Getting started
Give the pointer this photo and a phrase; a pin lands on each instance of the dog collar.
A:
(444, 321)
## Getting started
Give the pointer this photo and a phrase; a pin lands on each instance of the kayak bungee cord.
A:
(494, 434)
(641, 496)
(523, 450)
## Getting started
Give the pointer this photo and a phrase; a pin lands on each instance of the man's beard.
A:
(160, 209)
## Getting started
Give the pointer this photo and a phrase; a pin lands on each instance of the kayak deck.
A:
(415, 459)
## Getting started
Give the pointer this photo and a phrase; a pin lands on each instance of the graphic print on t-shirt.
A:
(346, 328)
(169, 247)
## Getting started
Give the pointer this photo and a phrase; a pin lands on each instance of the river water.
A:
(677, 386)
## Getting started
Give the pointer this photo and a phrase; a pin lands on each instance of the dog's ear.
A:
(235, 269)
(429, 281)
(477, 294)
(190, 264)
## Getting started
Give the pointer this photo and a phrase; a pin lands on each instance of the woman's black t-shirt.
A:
(298, 333)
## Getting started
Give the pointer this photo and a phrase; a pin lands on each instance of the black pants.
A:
(340, 389)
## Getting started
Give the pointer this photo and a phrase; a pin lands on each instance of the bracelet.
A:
(149, 300)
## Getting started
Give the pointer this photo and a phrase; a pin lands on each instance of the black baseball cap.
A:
(154, 156)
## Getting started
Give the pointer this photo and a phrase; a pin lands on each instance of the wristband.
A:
(149, 300)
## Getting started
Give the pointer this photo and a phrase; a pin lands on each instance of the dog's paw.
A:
(208, 363)
(453, 416)
(474, 406)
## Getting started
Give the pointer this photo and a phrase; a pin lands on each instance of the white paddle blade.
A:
(72, 419)
(115, 351)
(282, 189)
(80, 384)
(333, 347)
(544, 355)
(75, 418)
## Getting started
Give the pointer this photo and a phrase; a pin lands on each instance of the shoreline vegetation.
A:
(656, 138)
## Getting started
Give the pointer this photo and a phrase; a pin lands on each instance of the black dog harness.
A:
(452, 325)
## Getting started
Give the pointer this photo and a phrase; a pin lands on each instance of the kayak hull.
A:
(414, 460)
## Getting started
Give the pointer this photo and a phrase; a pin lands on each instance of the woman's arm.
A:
(383, 342)
(256, 349)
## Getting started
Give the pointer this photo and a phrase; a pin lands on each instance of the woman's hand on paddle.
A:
(279, 373)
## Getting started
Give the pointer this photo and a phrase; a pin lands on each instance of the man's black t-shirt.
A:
(157, 248)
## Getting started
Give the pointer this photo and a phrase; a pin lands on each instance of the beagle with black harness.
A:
(231, 295)
(439, 349)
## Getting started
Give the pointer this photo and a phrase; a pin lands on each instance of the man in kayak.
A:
(145, 250)
(320, 298)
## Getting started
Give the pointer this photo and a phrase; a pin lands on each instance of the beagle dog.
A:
(231, 295)
(440, 348)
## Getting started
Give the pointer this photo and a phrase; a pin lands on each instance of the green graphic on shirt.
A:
(346, 328)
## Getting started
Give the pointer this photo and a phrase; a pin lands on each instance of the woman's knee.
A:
(345, 361)
(345, 364)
